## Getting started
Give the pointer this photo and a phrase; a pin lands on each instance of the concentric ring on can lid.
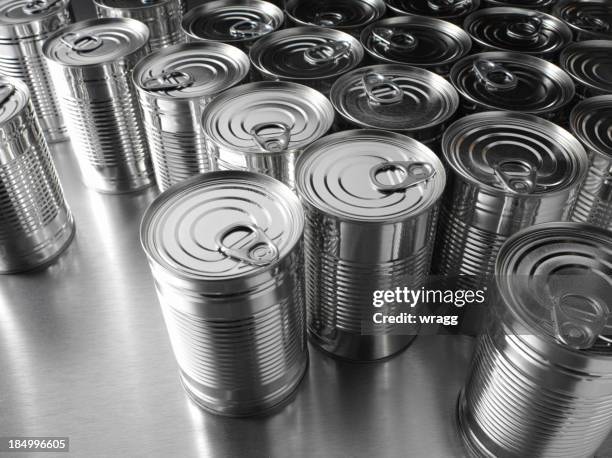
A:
(14, 96)
(370, 176)
(130, 4)
(590, 64)
(394, 97)
(514, 153)
(222, 225)
(339, 14)
(588, 18)
(270, 108)
(529, 4)
(591, 122)
(441, 9)
(96, 41)
(191, 70)
(14, 12)
(534, 85)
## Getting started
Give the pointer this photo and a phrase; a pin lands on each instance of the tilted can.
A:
(540, 5)
(371, 201)
(174, 85)
(313, 56)
(591, 123)
(540, 383)
(225, 250)
(36, 222)
(589, 19)
(264, 127)
(91, 65)
(398, 98)
(24, 26)
(422, 42)
(518, 30)
(508, 171)
(449, 10)
(586, 62)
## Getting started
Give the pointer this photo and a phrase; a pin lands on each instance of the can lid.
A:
(512, 81)
(589, 63)
(370, 176)
(130, 4)
(14, 96)
(416, 41)
(306, 53)
(394, 97)
(191, 70)
(232, 20)
(591, 122)
(514, 153)
(520, 30)
(556, 280)
(339, 14)
(592, 17)
(442, 9)
(267, 117)
(222, 225)
(14, 12)
(531, 4)
(96, 41)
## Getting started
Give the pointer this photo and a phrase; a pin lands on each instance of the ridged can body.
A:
(234, 309)
(532, 390)
(367, 229)
(24, 26)
(36, 222)
(100, 102)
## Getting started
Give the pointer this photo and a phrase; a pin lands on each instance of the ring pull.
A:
(39, 6)
(390, 38)
(517, 176)
(528, 30)
(6, 91)
(412, 173)
(327, 52)
(589, 22)
(328, 19)
(249, 28)
(388, 91)
(495, 77)
(272, 143)
(174, 80)
(578, 321)
(81, 43)
(251, 244)
(447, 5)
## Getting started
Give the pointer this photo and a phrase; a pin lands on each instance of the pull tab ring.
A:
(372, 81)
(414, 173)
(578, 321)
(6, 91)
(274, 143)
(39, 6)
(447, 5)
(328, 19)
(256, 247)
(389, 38)
(528, 30)
(327, 52)
(174, 80)
(81, 43)
(249, 28)
(589, 22)
(517, 176)
(495, 77)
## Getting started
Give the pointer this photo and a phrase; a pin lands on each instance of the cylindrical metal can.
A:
(225, 250)
(174, 85)
(371, 201)
(313, 56)
(36, 222)
(450, 10)
(589, 19)
(162, 17)
(509, 171)
(540, 5)
(588, 62)
(513, 82)
(91, 64)
(236, 22)
(540, 384)
(518, 30)
(399, 98)
(423, 42)
(24, 26)
(264, 127)
(591, 123)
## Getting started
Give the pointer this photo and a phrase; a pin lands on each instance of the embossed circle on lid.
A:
(589, 63)
(14, 96)
(339, 14)
(591, 122)
(441, 9)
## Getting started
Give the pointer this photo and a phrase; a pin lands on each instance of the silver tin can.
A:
(398, 98)
(449, 10)
(540, 384)
(174, 85)
(225, 250)
(518, 30)
(591, 123)
(264, 127)
(371, 201)
(313, 56)
(162, 17)
(589, 19)
(588, 62)
(24, 26)
(539, 5)
(236, 22)
(36, 222)
(513, 82)
(508, 171)
(422, 42)
(91, 65)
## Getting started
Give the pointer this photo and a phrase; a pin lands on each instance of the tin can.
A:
(509, 171)
(264, 127)
(449, 10)
(427, 43)
(225, 250)
(36, 222)
(313, 56)
(24, 26)
(513, 82)
(589, 19)
(236, 22)
(174, 85)
(591, 123)
(91, 64)
(518, 30)
(586, 62)
(398, 98)
(539, 5)
(371, 201)
(541, 378)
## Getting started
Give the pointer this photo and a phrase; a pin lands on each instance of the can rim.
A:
(379, 5)
(579, 133)
(580, 45)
